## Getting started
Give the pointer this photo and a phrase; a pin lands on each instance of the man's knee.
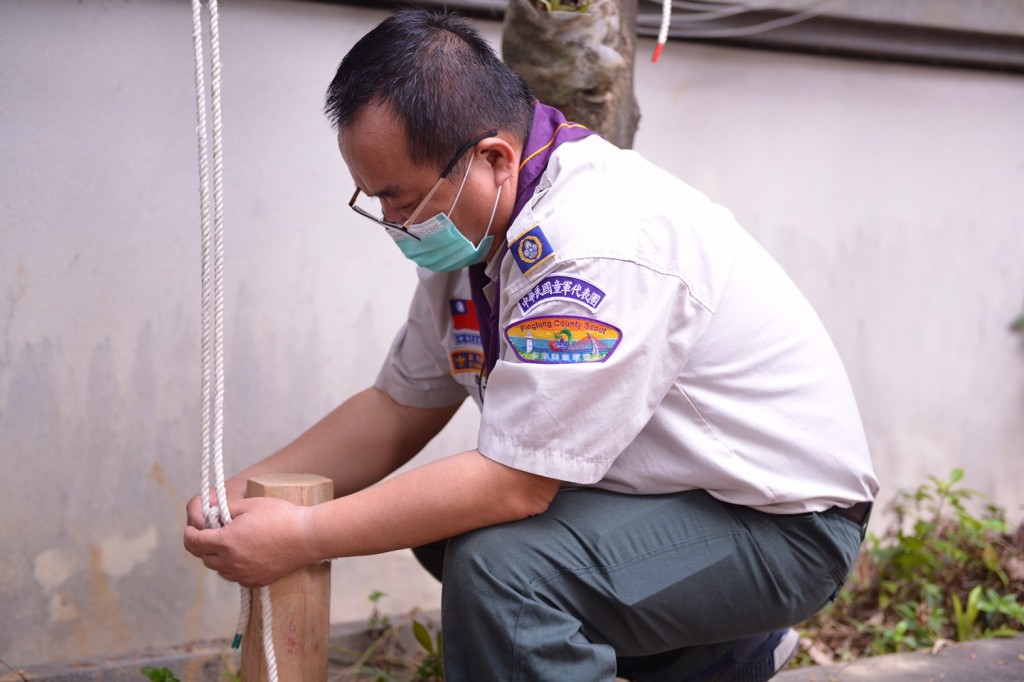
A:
(489, 560)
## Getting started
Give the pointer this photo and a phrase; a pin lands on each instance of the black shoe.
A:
(754, 659)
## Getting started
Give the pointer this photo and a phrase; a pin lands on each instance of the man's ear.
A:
(501, 156)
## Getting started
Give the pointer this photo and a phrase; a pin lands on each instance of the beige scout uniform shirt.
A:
(650, 345)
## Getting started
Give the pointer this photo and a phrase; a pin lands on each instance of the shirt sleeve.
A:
(417, 372)
(577, 381)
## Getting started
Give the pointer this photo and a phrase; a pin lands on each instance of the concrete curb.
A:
(986, 660)
(194, 662)
(990, 660)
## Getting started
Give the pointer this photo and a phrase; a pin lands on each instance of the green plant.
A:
(165, 674)
(938, 573)
(159, 674)
(563, 5)
(966, 618)
(377, 621)
(432, 665)
(386, 656)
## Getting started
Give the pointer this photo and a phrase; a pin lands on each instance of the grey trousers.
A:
(646, 587)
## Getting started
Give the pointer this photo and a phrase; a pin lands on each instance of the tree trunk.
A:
(580, 62)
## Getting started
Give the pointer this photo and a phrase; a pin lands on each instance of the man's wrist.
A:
(309, 539)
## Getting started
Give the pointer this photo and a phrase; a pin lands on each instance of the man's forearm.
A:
(356, 445)
(438, 500)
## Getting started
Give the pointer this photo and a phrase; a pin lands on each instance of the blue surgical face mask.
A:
(439, 246)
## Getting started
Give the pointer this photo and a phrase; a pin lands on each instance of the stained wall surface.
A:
(891, 193)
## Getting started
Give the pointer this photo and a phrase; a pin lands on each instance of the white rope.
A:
(212, 356)
(268, 631)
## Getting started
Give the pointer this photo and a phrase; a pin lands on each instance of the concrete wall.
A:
(891, 193)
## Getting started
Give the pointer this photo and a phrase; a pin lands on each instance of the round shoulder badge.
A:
(530, 249)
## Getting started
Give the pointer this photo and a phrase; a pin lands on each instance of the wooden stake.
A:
(301, 601)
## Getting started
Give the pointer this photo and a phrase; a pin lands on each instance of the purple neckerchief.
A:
(548, 131)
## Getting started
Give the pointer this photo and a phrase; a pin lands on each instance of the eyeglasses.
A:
(404, 227)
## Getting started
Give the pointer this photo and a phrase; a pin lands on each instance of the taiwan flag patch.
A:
(464, 314)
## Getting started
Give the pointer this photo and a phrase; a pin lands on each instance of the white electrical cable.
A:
(212, 354)
(710, 12)
(666, 23)
(700, 13)
(739, 31)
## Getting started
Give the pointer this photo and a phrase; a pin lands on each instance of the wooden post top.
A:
(302, 489)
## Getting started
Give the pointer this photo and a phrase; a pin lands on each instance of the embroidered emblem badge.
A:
(568, 288)
(467, 361)
(531, 249)
(562, 339)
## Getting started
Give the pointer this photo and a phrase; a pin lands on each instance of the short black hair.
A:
(438, 76)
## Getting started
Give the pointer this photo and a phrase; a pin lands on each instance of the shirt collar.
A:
(549, 130)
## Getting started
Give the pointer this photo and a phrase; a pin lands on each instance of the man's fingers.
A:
(201, 543)
(190, 541)
(194, 513)
(194, 508)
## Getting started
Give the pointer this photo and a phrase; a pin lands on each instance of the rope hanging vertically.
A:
(212, 354)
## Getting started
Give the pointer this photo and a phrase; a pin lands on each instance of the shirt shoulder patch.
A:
(466, 361)
(566, 288)
(562, 339)
(531, 250)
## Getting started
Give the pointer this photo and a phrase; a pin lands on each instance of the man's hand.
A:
(235, 489)
(267, 539)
